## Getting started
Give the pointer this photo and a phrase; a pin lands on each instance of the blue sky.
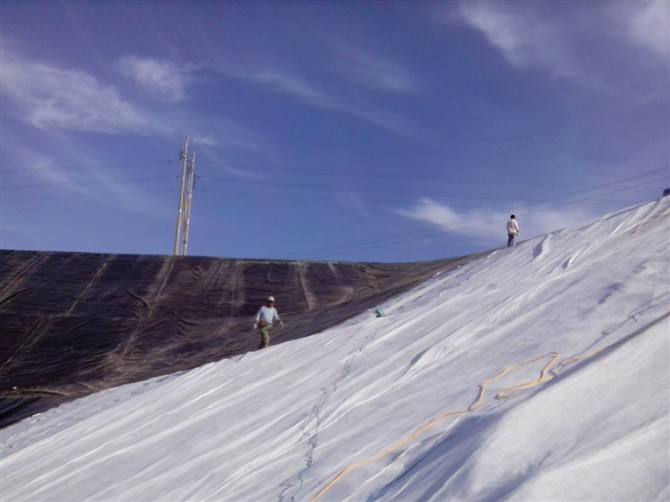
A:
(387, 131)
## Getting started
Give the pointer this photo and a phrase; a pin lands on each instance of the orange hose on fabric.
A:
(546, 374)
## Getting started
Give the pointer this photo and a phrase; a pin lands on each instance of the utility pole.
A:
(189, 202)
(186, 186)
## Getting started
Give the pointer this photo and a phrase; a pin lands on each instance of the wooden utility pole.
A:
(186, 186)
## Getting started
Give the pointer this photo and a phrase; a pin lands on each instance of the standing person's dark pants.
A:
(266, 330)
(511, 239)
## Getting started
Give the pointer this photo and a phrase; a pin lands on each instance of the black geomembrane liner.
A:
(75, 323)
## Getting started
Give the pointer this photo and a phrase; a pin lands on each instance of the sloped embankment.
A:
(534, 373)
(76, 323)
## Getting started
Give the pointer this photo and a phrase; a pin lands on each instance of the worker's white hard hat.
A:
(271, 298)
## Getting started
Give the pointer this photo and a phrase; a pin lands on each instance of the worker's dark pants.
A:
(511, 240)
(266, 331)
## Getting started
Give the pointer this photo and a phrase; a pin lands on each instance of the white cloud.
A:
(649, 26)
(238, 172)
(90, 179)
(288, 84)
(372, 70)
(161, 79)
(524, 39)
(534, 35)
(204, 139)
(51, 98)
(479, 223)
(219, 132)
(487, 225)
(353, 201)
(313, 95)
(67, 99)
(46, 170)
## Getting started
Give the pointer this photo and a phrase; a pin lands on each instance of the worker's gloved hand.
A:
(281, 323)
(255, 326)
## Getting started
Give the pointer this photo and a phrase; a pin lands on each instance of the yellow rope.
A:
(546, 374)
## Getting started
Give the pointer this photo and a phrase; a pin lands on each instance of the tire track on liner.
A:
(311, 427)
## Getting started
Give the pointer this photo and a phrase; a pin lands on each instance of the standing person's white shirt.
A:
(512, 226)
(267, 314)
(265, 318)
(512, 231)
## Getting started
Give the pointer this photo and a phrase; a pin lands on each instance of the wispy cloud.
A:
(48, 97)
(649, 24)
(348, 78)
(364, 67)
(541, 35)
(487, 225)
(286, 83)
(53, 98)
(318, 96)
(354, 202)
(524, 38)
(160, 79)
(237, 171)
(219, 132)
(44, 169)
(91, 179)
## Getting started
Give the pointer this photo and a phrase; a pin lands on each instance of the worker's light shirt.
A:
(512, 227)
(267, 314)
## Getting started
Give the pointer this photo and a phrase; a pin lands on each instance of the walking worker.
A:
(265, 318)
(512, 231)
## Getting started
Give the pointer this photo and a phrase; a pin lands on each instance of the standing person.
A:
(266, 316)
(512, 231)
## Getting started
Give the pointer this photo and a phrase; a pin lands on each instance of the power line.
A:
(380, 198)
(377, 198)
(37, 170)
(390, 193)
(383, 196)
(402, 237)
(442, 179)
(59, 184)
(459, 194)
(370, 243)
(336, 246)
(422, 174)
(166, 190)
